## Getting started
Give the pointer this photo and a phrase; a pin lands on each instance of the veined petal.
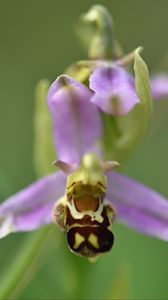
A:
(32, 207)
(77, 123)
(114, 90)
(159, 86)
(138, 206)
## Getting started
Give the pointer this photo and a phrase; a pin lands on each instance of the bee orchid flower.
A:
(103, 114)
(86, 195)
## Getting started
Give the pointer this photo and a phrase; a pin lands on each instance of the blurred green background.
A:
(37, 41)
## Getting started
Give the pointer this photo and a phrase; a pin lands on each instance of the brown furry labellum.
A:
(87, 220)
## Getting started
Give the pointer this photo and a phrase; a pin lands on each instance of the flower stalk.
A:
(26, 256)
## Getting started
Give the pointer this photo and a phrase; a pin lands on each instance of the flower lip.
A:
(90, 241)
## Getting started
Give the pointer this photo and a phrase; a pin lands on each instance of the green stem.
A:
(22, 263)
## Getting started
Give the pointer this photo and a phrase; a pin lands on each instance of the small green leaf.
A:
(44, 152)
(128, 131)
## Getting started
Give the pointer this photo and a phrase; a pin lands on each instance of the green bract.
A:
(129, 130)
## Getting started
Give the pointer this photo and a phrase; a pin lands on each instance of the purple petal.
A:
(159, 86)
(77, 123)
(138, 206)
(32, 207)
(114, 90)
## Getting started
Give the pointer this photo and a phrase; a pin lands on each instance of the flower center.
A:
(83, 212)
(87, 220)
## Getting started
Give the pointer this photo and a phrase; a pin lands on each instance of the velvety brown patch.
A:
(86, 220)
(86, 203)
(105, 240)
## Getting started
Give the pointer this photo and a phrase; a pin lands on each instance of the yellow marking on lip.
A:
(78, 240)
(93, 239)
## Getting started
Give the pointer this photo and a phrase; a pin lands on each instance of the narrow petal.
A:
(77, 122)
(138, 207)
(32, 207)
(114, 90)
(159, 86)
